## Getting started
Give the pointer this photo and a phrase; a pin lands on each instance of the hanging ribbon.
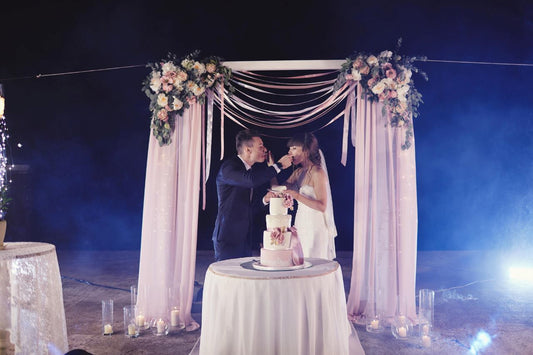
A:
(209, 133)
(204, 178)
(222, 99)
(349, 110)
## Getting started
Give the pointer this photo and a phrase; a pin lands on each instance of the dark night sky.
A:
(84, 137)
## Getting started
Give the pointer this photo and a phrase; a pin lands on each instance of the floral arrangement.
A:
(174, 84)
(277, 237)
(386, 78)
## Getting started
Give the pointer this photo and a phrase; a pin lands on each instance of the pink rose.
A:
(365, 70)
(387, 66)
(390, 73)
(371, 82)
(392, 94)
(276, 236)
(382, 97)
(163, 115)
(167, 88)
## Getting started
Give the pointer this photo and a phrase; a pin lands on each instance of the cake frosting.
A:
(277, 250)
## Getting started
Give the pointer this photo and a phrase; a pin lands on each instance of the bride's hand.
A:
(294, 194)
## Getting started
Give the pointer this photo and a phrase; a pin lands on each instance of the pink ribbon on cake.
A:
(297, 251)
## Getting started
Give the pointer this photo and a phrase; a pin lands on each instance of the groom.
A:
(235, 181)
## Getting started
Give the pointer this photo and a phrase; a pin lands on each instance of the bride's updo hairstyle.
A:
(309, 145)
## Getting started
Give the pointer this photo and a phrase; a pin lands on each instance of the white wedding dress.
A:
(312, 227)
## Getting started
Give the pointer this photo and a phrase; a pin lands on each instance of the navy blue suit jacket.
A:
(233, 225)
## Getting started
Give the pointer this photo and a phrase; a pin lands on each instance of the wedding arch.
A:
(377, 100)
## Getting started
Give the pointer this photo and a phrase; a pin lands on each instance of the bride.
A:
(309, 185)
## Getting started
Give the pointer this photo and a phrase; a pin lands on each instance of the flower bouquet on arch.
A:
(174, 84)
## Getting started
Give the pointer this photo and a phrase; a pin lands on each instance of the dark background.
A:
(79, 176)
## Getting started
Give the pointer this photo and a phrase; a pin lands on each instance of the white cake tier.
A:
(276, 206)
(269, 243)
(276, 258)
(282, 221)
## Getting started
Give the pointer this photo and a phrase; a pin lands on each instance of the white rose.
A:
(378, 88)
(176, 104)
(356, 75)
(385, 54)
(168, 66)
(199, 67)
(402, 92)
(155, 82)
(162, 100)
(197, 90)
(372, 60)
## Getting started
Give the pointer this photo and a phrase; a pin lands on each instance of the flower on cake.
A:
(277, 237)
(279, 192)
(386, 78)
(173, 85)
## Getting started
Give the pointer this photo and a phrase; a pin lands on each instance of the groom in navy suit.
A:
(235, 181)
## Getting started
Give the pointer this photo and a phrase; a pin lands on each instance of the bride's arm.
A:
(319, 184)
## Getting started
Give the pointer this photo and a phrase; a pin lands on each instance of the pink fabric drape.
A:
(170, 221)
(385, 219)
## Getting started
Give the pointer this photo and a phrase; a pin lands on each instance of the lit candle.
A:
(174, 317)
(425, 329)
(140, 321)
(374, 324)
(160, 326)
(108, 329)
(402, 332)
(426, 341)
(131, 329)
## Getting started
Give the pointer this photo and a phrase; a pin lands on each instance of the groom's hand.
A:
(285, 161)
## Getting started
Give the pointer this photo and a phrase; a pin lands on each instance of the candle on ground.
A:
(174, 317)
(426, 341)
(402, 332)
(160, 326)
(140, 321)
(131, 329)
(374, 324)
(425, 329)
(108, 329)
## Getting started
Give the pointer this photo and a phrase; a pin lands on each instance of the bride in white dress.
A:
(309, 185)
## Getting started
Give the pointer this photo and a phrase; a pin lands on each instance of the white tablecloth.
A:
(31, 298)
(246, 311)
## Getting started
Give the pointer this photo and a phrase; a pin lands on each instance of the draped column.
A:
(170, 221)
(385, 218)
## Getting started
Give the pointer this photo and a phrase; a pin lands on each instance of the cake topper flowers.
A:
(277, 237)
(279, 192)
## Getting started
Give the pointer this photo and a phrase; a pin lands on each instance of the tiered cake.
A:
(276, 250)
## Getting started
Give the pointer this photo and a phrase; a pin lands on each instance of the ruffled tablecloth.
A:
(31, 298)
(247, 311)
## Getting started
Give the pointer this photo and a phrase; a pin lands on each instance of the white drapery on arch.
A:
(385, 209)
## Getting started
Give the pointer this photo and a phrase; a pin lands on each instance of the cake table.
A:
(248, 311)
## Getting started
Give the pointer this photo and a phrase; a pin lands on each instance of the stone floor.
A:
(478, 308)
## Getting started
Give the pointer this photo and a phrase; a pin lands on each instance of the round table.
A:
(32, 298)
(249, 311)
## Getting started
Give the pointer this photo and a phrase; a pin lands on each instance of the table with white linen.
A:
(31, 298)
(247, 311)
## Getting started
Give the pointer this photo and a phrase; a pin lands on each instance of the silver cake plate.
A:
(257, 265)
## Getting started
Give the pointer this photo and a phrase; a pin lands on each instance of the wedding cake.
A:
(277, 250)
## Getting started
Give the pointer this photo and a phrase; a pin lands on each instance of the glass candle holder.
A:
(374, 324)
(107, 317)
(159, 326)
(131, 330)
(175, 321)
(426, 308)
(401, 327)
(133, 295)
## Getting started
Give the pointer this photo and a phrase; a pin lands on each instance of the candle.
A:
(425, 329)
(160, 326)
(108, 329)
(426, 341)
(402, 332)
(374, 324)
(131, 329)
(174, 317)
(140, 321)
